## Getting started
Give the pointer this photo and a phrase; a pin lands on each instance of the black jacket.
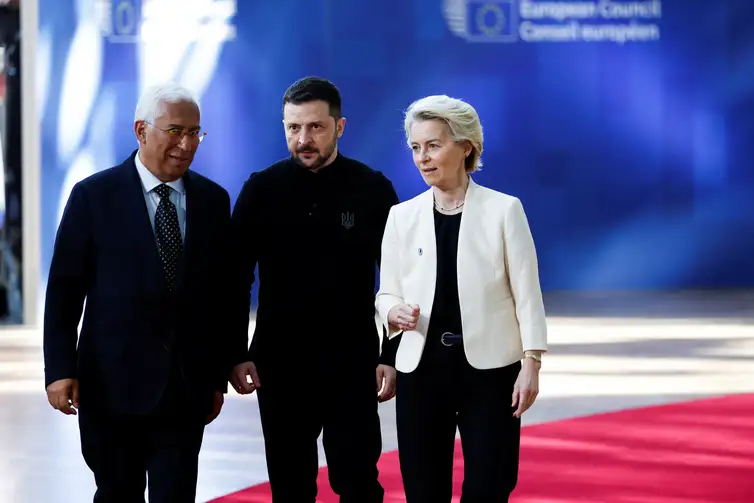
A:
(134, 329)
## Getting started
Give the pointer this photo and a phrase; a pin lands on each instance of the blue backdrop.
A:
(627, 129)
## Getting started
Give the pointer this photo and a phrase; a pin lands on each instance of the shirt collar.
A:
(330, 170)
(150, 182)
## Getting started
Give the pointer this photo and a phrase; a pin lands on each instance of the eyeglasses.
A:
(178, 132)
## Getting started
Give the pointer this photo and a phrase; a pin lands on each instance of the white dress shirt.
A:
(177, 195)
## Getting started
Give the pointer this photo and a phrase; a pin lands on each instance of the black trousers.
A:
(340, 402)
(123, 451)
(444, 393)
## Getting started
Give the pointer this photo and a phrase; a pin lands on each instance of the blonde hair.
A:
(461, 118)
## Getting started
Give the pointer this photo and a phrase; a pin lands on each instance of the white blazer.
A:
(502, 312)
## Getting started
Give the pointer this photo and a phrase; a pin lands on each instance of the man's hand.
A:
(240, 376)
(385, 383)
(526, 389)
(403, 317)
(217, 406)
(63, 395)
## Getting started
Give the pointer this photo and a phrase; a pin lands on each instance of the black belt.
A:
(450, 339)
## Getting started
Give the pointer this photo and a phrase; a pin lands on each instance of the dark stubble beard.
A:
(322, 157)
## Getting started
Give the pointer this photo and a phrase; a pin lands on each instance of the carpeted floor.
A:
(691, 452)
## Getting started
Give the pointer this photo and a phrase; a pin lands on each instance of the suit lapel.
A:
(465, 259)
(193, 201)
(467, 219)
(428, 251)
(140, 224)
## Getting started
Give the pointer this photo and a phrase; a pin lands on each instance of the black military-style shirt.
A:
(316, 239)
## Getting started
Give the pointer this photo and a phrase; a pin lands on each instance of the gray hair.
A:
(461, 118)
(153, 100)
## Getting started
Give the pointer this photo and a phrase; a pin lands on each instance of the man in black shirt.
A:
(313, 225)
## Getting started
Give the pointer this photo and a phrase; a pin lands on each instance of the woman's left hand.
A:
(526, 389)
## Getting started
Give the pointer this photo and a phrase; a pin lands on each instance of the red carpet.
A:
(692, 452)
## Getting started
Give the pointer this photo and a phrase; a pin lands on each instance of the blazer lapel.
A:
(468, 219)
(192, 204)
(467, 243)
(141, 226)
(427, 251)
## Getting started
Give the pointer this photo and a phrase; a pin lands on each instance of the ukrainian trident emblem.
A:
(346, 220)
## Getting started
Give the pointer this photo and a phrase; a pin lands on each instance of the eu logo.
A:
(491, 21)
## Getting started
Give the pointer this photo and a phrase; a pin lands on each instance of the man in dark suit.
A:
(144, 244)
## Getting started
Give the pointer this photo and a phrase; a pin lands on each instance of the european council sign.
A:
(615, 21)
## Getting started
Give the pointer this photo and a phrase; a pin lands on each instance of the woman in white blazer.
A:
(459, 279)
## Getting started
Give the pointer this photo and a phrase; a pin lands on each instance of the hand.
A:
(385, 383)
(217, 405)
(239, 378)
(404, 316)
(63, 395)
(526, 389)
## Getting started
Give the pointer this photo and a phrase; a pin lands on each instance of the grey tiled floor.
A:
(607, 353)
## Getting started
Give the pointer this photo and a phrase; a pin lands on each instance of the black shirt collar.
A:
(327, 171)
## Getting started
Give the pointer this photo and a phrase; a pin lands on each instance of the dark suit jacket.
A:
(133, 328)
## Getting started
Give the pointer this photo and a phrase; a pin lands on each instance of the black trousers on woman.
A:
(444, 393)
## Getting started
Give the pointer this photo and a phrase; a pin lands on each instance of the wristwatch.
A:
(533, 356)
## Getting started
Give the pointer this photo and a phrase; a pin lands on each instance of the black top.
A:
(446, 310)
(316, 237)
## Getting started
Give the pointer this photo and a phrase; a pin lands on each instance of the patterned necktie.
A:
(169, 241)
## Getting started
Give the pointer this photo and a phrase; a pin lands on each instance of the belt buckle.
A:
(451, 334)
